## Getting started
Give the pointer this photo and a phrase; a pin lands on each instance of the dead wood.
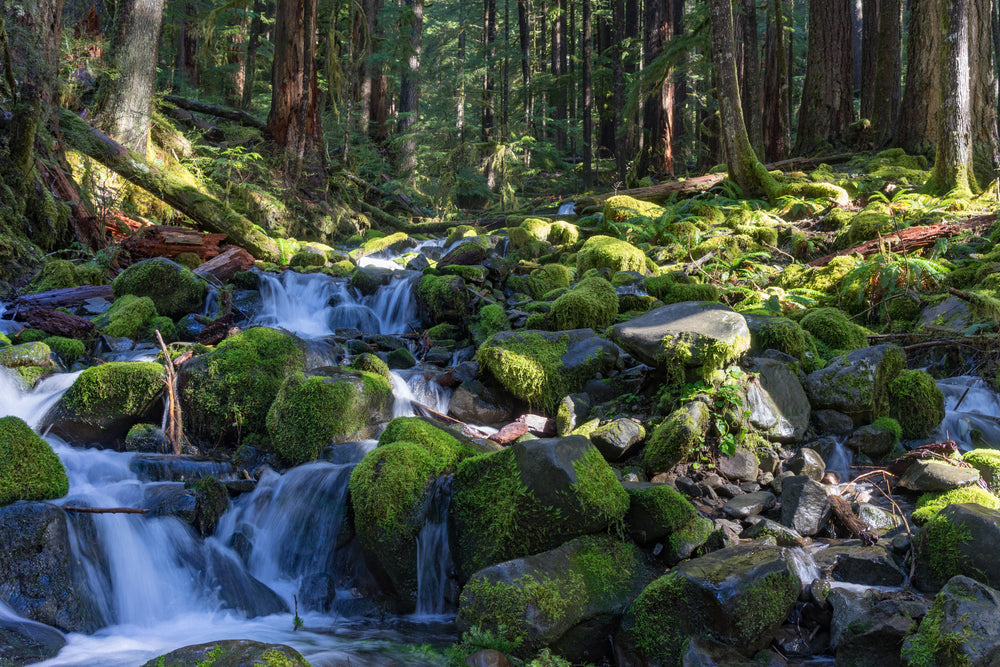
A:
(845, 517)
(175, 426)
(932, 450)
(170, 241)
(226, 265)
(235, 115)
(509, 433)
(55, 322)
(64, 297)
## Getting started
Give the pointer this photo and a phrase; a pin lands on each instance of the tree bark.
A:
(750, 81)
(953, 168)
(409, 90)
(618, 72)
(827, 108)
(489, 54)
(658, 124)
(588, 96)
(917, 127)
(294, 117)
(250, 60)
(174, 188)
(128, 94)
(744, 167)
(524, 39)
(870, 17)
(983, 84)
(886, 90)
(777, 137)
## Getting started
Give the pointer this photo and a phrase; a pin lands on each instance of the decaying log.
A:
(509, 433)
(235, 115)
(176, 189)
(912, 238)
(436, 417)
(104, 510)
(64, 297)
(216, 330)
(55, 322)
(698, 184)
(845, 517)
(932, 450)
(226, 265)
(170, 241)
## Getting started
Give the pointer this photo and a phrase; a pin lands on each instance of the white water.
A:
(433, 556)
(568, 208)
(977, 414)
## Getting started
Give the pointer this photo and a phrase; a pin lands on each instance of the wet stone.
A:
(937, 476)
(748, 504)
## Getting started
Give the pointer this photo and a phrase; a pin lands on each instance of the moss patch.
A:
(987, 462)
(174, 289)
(832, 328)
(129, 317)
(600, 252)
(591, 304)
(676, 438)
(29, 469)
(929, 504)
(916, 403)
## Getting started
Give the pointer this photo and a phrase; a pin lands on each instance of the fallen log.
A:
(226, 265)
(170, 241)
(175, 187)
(845, 517)
(436, 417)
(55, 322)
(104, 510)
(235, 115)
(64, 297)
(912, 238)
(698, 184)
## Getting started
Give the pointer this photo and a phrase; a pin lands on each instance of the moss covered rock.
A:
(129, 316)
(492, 319)
(930, 504)
(600, 252)
(676, 438)
(784, 335)
(962, 539)
(370, 363)
(339, 405)
(916, 403)
(445, 298)
(831, 327)
(174, 289)
(621, 208)
(226, 393)
(29, 469)
(528, 498)
(105, 401)
(738, 596)
(391, 492)
(541, 367)
(857, 383)
(659, 513)
(591, 304)
(231, 653)
(987, 462)
(36, 354)
(67, 349)
(567, 599)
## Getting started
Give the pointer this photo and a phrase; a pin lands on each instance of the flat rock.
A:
(804, 505)
(749, 504)
(855, 383)
(742, 465)
(778, 404)
(937, 476)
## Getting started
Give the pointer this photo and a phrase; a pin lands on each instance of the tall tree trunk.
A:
(588, 101)
(524, 40)
(559, 66)
(870, 17)
(489, 55)
(953, 169)
(750, 79)
(744, 167)
(621, 136)
(294, 117)
(887, 88)
(187, 46)
(128, 95)
(679, 80)
(606, 111)
(250, 61)
(658, 155)
(460, 102)
(505, 74)
(917, 127)
(827, 108)
(35, 54)
(777, 98)
(409, 89)
(857, 28)
(983, 84)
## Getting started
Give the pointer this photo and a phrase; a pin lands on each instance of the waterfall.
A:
(32, 405)
(416, 386)
(972, 413)
(434, 555)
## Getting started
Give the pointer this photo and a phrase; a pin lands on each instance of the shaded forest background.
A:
(317, 119)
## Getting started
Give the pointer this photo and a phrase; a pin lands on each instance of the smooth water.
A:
(972, 413)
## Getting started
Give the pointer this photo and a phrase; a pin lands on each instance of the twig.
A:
(175, 429)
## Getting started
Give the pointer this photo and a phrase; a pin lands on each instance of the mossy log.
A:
(178, 188)
(235, 115)
(170, 241)
(55, 322)
(226, 265)
(383, 219)
(64, 297)
(912, 238)
(692, 186)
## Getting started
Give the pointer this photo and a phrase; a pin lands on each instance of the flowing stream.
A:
(156, 585)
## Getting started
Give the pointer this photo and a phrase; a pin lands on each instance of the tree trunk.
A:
(983, 82)
(128, 95)
(917, 127)
(621, 138)
(777, 138)
(857, 28)
(827, 108)
(250, 60)
(173, 187)
(588, 101)
(606, 112)
(887, 88)
(34, 47)
(744, 167)
(953, 169)
(409, 90)
(750, 81)
(524, 39)
(294, 117)
(870, 17)
(488, 135)
(559, 65)
(460, 102)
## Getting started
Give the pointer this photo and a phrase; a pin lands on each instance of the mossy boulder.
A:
(987, 462)
(962, 628)
(492, 319)
(328, 406)
(174, 289)
(445, 298)
(528, 498)
(857, 383)
(29, 469)
(129, 316)
(370, 363)
(35, 354)
(874, 221)
(621, 208)
(930, 504)
(784, 335)
(696, 335)
(541, 367)
(226, 393)
(963, 538)
(391, 492)
(67, 349)
(675, 439)
(567, 599)
(105, 401)
(62, 273)
(831, 327)
(659, 513)
(231, 653)
(600, 252)
(738, 596)
(591, 304)
(916, 403)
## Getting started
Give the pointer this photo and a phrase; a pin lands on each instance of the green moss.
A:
(309, 413)
(731, 244)
(825, 279)
(784, 335)
(61, 273)
(492, 320)
(114, 389)
(4, 341)
(305, 259)
(563, 233)
(987, 462)
(657, 632)
(174, 290)
(764, 605)
(929, 647)
(227, 392)
(376, 243)
(370, 363)
(597, 489)
(445, 297)
(940, 543)
(599, 252)
(679, 292)
(662, 506)
(823, 191)
(129, 317)
(676, 438)
(834, 329)
(889, 425)
(621, 208)
(26, 354)
(695, 532)
(929, 504)
(460, 232)
(67, 349)
(916, 403)
(29, 469)
(591, 304)
(166, 327)
(874, 221)
(438, 442)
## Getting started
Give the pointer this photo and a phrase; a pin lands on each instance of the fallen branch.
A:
(386, 220)
(55, 322)
(175, 429)
(104, 510)
(235, 115)
(912, 238)
(845, 517)
(434, 416)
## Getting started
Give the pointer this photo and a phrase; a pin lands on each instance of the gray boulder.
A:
(25, 642)
(741, 466)
(871, 441)
(807, 462)
(962, 539)
(779, 407)
(961, 628)
(694, 333)
(772, 532)
(855, 383)
(831, 422)
(473, 403)
(876, 565)
(867, 631)
(749, 504)
(804, 505)
(937, 476)
(617, 439)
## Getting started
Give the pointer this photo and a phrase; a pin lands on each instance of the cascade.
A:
(433, 555)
